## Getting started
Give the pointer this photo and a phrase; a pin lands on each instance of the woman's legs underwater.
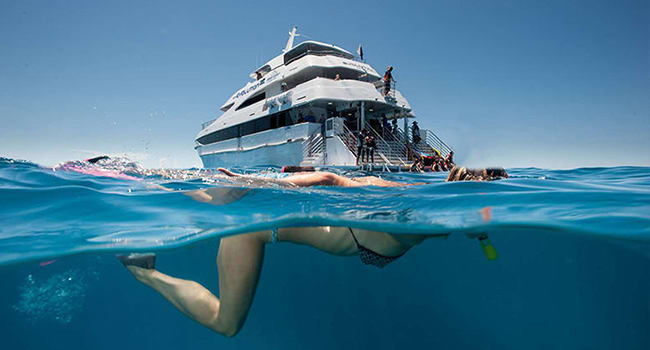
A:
(239, 264)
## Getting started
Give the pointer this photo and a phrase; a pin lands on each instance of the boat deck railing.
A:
(348, 138)
(314, 149)
(389, 150)
(429, 143)
(206, 124)
(380, 86)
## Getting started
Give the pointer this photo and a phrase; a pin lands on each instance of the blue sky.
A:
(556, 84)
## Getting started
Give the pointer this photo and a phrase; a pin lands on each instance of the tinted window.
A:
(314, 49)
(253, 99)
(247, 128)
(219, 135)
(262, 124)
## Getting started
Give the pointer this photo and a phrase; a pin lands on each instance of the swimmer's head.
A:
(296, 169)
(464, 174)
(496, 173)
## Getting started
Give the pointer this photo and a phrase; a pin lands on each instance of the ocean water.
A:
(573, 270)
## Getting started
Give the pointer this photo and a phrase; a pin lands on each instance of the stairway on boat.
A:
(423, 147)
(314, 150)
(391, 148)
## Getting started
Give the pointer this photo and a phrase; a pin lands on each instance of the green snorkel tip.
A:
(487, 247)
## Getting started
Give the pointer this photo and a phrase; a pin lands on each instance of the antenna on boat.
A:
(292, 35)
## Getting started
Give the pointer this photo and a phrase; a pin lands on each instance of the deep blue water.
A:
(573, 270)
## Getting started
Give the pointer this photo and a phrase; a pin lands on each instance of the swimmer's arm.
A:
(212, 195)
(198, 195)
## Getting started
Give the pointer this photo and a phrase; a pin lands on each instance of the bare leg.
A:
(321, 179)
(239, 263)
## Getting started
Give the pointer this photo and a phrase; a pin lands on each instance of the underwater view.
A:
(564, 259)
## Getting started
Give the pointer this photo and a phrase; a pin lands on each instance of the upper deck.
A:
(301, 77)
(288, 64)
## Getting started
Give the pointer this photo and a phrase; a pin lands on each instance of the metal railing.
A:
(396, 152)
(349, 139)
(431, 140)
(391, 147)
(434, 140)
(399, 135)
(314, 147)
(206, 124)
(379, 85)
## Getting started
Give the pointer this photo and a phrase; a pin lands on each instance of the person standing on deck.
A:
(360, 146)
(395, 129)
(385, 126)
(415, 130)
(370, 148)
(388, 77)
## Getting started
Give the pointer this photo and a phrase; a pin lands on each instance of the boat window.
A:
(226, 108)
(250, 127)
(247, 128)
(260, 73)
(329, 73)
(219, 135)
(257, 98)
(279, 120)
(262, 124)
(314, 49)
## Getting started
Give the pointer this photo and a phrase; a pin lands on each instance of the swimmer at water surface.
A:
(240, 257)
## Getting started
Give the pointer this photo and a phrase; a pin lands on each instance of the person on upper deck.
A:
(388, 77)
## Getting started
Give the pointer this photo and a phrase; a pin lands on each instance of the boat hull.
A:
(290, 153)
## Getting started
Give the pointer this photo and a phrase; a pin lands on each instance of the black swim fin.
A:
(143, 260)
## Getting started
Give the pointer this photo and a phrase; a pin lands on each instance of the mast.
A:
(292, 35)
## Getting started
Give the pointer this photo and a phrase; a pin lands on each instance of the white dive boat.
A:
(305, 107)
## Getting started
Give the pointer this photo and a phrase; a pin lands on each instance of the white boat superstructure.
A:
(305, 107)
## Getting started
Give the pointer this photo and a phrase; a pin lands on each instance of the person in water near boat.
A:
(240, 257)
(487, 174)
(317, 178)
(449, 159)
